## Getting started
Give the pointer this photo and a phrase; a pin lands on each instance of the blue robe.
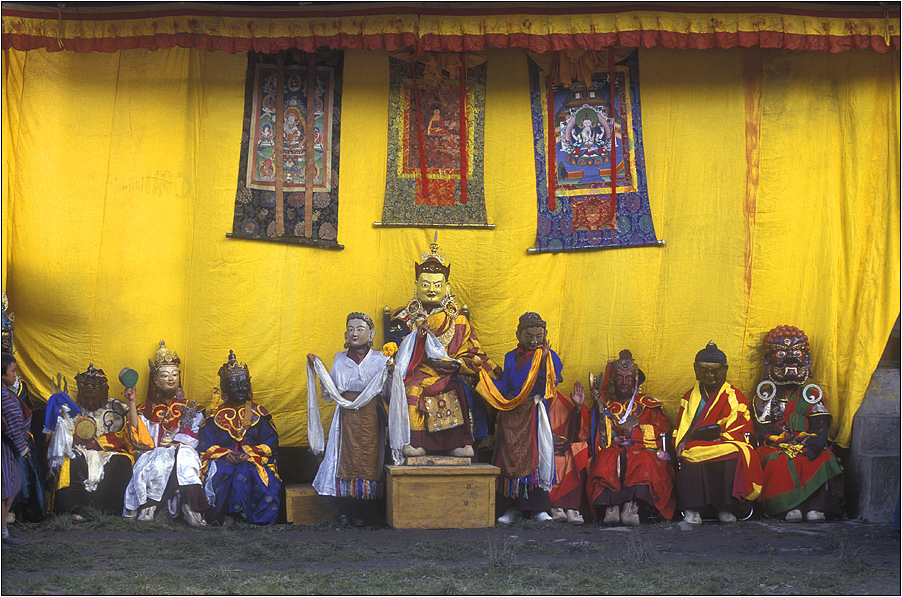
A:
(249, 489)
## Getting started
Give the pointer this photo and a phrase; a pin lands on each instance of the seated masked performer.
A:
(716, 464)
(238, 444)
(439, 359)
(355, 455)
(628, 467)
(801, 475)
(524, 448)
(92, 446)
(169, 471)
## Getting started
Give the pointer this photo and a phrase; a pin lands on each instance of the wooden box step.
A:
(304, 506)
(440, 497)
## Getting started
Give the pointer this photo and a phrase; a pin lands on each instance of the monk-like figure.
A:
(525, 443)
(717, 466)
(91, 447)
(168, 472)
(442, 356)
(629, 466)
(354, 460)
(802, 478)
(238, 445)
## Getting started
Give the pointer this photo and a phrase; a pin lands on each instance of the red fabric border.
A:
(466, 43)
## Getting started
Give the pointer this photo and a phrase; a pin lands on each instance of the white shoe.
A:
(557, 515)
(574, 517)
(814, 516)
(794, 516)
(130, 514)
(612, 515)
(409, 450)
(692, 517)
(147, 513)
(192, 517)
(543, 517)
(724, 515)
(78, 518)
(629, 513)
(464, 452)
(510, 516)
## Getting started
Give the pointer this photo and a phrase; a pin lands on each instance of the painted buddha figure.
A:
(445, 411)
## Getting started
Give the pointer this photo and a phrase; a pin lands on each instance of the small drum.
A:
(85, 429)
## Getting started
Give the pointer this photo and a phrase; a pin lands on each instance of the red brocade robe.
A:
(729, 408)
(437, 396)
(643, 467)
(570, 426)
(790, 477)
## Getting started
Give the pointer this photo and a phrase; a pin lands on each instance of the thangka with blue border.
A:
(583, 212)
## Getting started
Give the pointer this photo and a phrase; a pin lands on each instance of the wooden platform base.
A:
(304, 506)
(440, 497)
(438, 461)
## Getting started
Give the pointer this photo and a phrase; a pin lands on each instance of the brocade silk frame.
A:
(583, 212)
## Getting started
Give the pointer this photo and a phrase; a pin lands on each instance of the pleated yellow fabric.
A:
(773, 177)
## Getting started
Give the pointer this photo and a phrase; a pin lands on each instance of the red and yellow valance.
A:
(449, 27)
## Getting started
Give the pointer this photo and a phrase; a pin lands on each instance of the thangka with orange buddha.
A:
(291, 131)
(590, 161)
(435, 140)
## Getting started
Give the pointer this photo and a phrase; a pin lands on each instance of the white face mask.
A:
(15, 387)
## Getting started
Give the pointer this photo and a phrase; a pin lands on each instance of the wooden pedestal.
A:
(304, 506)
(441, 497)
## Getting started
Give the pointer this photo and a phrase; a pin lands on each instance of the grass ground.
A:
(109, 555)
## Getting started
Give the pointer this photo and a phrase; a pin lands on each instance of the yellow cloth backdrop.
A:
(773, 177)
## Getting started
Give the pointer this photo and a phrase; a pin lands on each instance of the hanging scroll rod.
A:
(531, 250)
(430, 225)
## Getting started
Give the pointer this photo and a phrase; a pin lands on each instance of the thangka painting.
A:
(435, 142)
(274, 200)
(578, 206)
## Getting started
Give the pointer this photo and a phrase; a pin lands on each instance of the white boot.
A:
(463, 452)
(629, 513)
(692, 517)
(574, 517)
(408, 451)
(724, 515)
(147, 513)
(192, 516)
(543, 517)
(794, 516)
(814, 516)
(510, 516)
(612, 515)
(557, 515)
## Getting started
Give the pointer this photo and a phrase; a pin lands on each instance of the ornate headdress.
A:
(781, 336)
(711, 354)
(361, 316)
(232, 367)
(530, 320)
(433, 261)
(164, 357)
(92, 379)
(625, 362)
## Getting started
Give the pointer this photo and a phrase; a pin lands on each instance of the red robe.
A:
(640, 443)
(571, 428)
(728, 408)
